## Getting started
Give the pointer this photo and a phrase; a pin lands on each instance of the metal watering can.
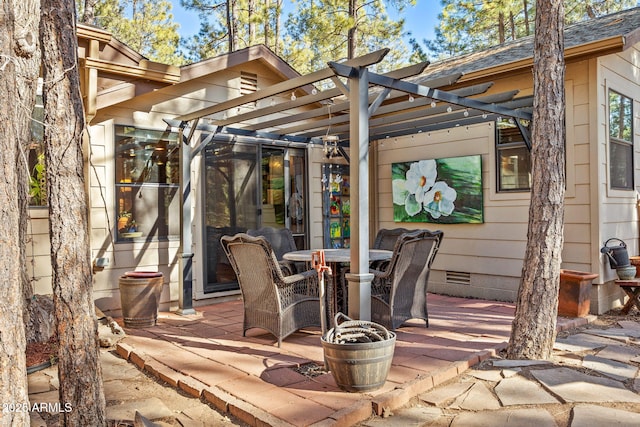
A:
(618, 256)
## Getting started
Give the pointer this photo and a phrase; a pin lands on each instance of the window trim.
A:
(154, 186)
(499, 147)
(611, 140)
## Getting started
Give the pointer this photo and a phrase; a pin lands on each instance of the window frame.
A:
(124, 182)
(501, 147)
(614, 141)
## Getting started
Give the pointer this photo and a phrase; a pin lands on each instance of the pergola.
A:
(357, 106)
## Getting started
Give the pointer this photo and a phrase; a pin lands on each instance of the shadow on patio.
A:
(249, 377)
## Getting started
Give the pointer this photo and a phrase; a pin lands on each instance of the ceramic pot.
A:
(626, 273)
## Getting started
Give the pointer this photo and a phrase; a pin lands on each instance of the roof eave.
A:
(597, 48)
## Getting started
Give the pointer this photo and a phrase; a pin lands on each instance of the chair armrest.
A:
(300, 276)
(379, 274)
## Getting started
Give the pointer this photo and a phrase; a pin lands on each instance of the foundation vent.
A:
(458, 278)
(248, 83)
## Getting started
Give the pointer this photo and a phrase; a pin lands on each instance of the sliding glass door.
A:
(249, 186)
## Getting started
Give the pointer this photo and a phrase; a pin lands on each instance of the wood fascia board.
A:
(93, 33)
(113, 96)
(599, 48)
(223, 62)
(631, 38)
(285, 86)
(165, 73)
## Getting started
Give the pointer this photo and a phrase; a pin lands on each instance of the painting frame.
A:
(445, 190)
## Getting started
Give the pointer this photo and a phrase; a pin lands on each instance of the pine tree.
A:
(331, 30)
(146, 26)
(469, 26)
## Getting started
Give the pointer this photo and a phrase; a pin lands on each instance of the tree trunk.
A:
(267, 22)
(13, 371)
(79, 368)
(231, 26)
(27, 62)
(527, 26)
(534, 326)
(88, 15)
(351, 36)
(276, 36)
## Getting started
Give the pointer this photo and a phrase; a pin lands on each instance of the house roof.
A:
(599, 36)
(221, 62)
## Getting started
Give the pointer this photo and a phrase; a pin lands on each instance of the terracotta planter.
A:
(574, 298)
(635, 261)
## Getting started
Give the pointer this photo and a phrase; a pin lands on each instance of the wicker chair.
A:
(386, 239)
(399, 293)
(281, 240)
(274, 302)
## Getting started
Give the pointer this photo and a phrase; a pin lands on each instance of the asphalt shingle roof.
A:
(614, 25)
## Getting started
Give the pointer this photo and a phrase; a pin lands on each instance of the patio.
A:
(249, 377)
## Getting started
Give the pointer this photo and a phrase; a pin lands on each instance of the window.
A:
(147, 184)
(37, 180)
(620, 141)
(514, 158)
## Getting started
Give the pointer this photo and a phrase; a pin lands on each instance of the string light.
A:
(293, 96)
(411, 98)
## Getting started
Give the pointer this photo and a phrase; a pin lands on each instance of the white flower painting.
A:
(445, 190)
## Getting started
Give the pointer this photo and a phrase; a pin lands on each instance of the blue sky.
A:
(420, 19)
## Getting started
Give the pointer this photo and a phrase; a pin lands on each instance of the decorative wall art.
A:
(443, 191)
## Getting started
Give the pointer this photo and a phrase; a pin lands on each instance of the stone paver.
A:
(39, 382)
(521, 391)
(477, 398)
(582, 342)
(621, 353)
(611, 368)
(514, 363)
(510, 418)
(414, 416)
(493, 376)
(598, 416)
(630, 325)
(507, 373)
(36, 420)
(151, 408)
(441, 395)
(574, 386)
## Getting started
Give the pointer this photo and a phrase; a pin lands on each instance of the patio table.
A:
(630, 287)
(337, 259)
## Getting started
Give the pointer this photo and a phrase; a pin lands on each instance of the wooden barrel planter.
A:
(359, 366)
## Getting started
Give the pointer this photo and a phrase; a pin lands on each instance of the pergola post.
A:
(359, 279)
(185, 296)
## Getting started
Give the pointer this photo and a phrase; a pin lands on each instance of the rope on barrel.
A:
(356, 331)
